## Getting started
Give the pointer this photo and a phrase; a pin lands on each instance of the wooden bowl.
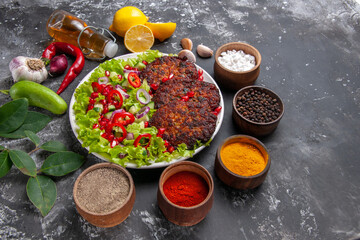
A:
(185, 216)
(237, 181)
(114, 217)
(253, 128)
(235, 80)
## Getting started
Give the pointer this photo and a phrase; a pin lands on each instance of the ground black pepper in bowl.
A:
(257, 110)
(258, 106)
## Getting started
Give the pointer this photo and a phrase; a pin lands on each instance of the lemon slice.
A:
(162, 31)
(139, 38)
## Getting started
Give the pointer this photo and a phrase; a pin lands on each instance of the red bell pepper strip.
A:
(122, 118)
(115, 95)
(140, 137)
(134, 80)
(61, 47)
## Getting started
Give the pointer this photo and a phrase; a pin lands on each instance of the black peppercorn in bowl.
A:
(257, 110)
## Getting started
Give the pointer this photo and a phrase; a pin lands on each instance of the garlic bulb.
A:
(24, 68)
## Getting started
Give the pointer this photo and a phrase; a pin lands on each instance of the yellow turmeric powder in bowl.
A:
(243, 158)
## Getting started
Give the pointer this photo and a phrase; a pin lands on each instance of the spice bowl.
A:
(251, 104)
(234, 80)
(226, 172)
(104, 194)
(185, 212)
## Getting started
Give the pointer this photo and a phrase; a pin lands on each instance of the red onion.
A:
(103, 80)
(115, 112)
(130, 136)
(121, 90)
(129, 71)
(146, 95)
(58, 65)
(143, 111)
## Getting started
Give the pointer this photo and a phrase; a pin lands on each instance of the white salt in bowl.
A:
(108, 218)
(235, 80)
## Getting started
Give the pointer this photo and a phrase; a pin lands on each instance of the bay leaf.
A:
(33, 137)
(5, 163)
(34, 122)
(42, 192)
(62, 163)
(13, 114)
(54, 146)
(23, 162)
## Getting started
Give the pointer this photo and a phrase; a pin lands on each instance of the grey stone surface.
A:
(310, 52)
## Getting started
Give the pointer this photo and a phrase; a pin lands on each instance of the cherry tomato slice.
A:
(134, 80)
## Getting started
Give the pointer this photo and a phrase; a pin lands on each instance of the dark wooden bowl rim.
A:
(104, 165)
(261, 88)
(174, 165)
(220, 50)
(240, 137)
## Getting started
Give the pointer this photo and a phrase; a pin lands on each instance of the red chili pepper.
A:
(154, 86)
(144, 62)
(184, 98)
(190, 94)
(123, 134)
(134, 80)
(61, 47)
(164, 79)
(217, 110)
(201, 78)
(140, 137)
(111, 97)
(124, 118)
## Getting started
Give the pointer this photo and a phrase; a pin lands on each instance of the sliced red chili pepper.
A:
(164, 79)
(75, 69)
(124, 118)
(217, 110)
(154, 86)
(161, 131)
(134, 80)
(201, 78)
(200, 72)
(184, 98)
(123, 133)
(96, 87)
(138, 140)
(171, 76)
(190, 94)
(115, 95)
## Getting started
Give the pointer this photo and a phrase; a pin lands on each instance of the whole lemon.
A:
(125, 18)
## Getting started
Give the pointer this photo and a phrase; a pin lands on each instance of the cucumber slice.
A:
(108, 115)
(140, 66)
(151, 105)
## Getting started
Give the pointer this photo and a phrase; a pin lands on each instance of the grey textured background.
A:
(310, 52)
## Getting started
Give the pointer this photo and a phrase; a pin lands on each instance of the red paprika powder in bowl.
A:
(185, 193)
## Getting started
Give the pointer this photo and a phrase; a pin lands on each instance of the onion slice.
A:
(130, 136)
(146, 95)
(129, 71)
(115, 112)
(103, 80)
(121, 90)
(143, 111)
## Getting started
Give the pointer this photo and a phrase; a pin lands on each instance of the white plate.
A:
(74, 126)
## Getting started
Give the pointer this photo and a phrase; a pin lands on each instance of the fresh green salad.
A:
(112, 109)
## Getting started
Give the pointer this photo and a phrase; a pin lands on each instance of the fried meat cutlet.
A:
(185, 122)
(169, 67)
(174, 89)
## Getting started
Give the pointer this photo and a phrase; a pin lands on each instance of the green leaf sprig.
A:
(17, 122)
